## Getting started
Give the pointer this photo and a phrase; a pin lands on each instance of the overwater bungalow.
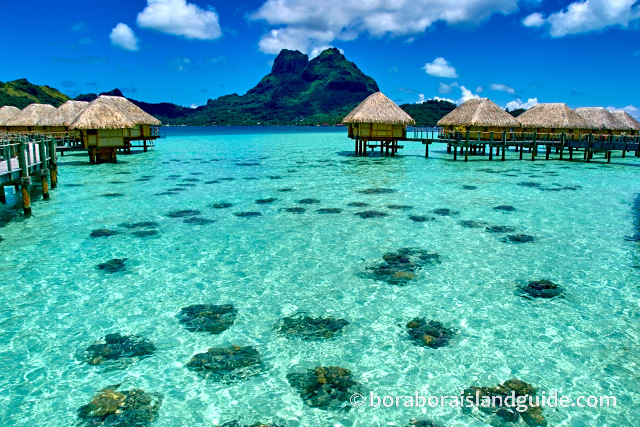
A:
(102, 129)
(624, 117)
(144, 122)
(7, 113)
(60, 119)
(27, 120)
(377, 119)
(552, 120)
(601, 122)
(480, 117)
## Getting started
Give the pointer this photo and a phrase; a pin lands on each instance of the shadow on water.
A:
(12, 211)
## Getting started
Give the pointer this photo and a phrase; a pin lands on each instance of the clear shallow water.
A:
(56, 302)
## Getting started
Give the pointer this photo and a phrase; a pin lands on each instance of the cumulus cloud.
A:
(318, 50)
(534, 20)
(180, 64)
(446, 88)
(479, 89)
(347, 19)
(514, 105)
(180, 18)
(421, 98)
(592, 15)
(502, 88)
(437, 98)
(122, 36)
(466, 95)
(440, 67)
(295, 39)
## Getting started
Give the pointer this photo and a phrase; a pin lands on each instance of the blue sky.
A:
(584, 53)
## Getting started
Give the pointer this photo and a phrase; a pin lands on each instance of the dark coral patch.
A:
(103, 232)
(530, 184)
(358, 204)
(221, 205)
(371, 214)
(469, 187)
(311, 328)
(421, 218)
(540, 289)
(211, 318)
(114, 265)
(326, 388)
(131, 408)
(401, 266)
(518, 238)
(308, 201)
(112, 195)
(429, 333)
(473, 224)
(266, 201)
(247, 214)
(377, 191)
(400, 207)
(114, 346)
(145, 233)
(183, 213)
(500, 229)
(505, 208)
(329, 210)
(196, 220)
(284, 190)
(227, 364)
(445, 212)
(141, 224)
(295, 210)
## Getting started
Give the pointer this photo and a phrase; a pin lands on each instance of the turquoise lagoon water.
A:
(55, 301)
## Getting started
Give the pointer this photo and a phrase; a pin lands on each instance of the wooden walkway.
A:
(23, 158)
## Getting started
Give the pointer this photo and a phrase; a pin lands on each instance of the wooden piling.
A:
(535, 145)
(145, 145)
(426, 150)
(53, 164)
(561, 145)
(25, 179)
(504, 145)
(42, 151)
(455, 153)
(3, 197)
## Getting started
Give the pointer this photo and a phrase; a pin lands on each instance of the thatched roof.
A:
(137, 114)
(479, 112)
(553, 115)
(64, 114)
(30, 115)
(621, 115)
(101, 114)
(377, 108)
(600, 119)
(7, 113)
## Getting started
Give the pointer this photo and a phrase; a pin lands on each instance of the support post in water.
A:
(42, 152)
(504, 145)
(3, 197)
(53, 163)
(25, 179)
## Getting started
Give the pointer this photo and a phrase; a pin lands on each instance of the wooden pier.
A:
(563, 145)
(23, 159)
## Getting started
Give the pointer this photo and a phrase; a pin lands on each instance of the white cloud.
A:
(180, 18)
(502, 88)
(180, 64)
(123, 37)
(421, 99)
(592, 15)
(466, 95)
(440, 68)
(514, 105)
(347, 19)
(479, 89)
(533, 20)
(294, 39)
(446, 88)
(437, 98)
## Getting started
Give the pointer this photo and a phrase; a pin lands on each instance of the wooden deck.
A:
(21, 160)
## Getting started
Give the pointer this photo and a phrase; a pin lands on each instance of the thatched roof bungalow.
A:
(7, 113)
(61, 118)
(624, 117)
(601, 121)
(553, 118)
(479, 116)
(378, 118)
(143, 120)
(102, 129)
(27, 120)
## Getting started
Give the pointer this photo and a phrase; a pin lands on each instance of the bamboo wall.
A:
(373, 131)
